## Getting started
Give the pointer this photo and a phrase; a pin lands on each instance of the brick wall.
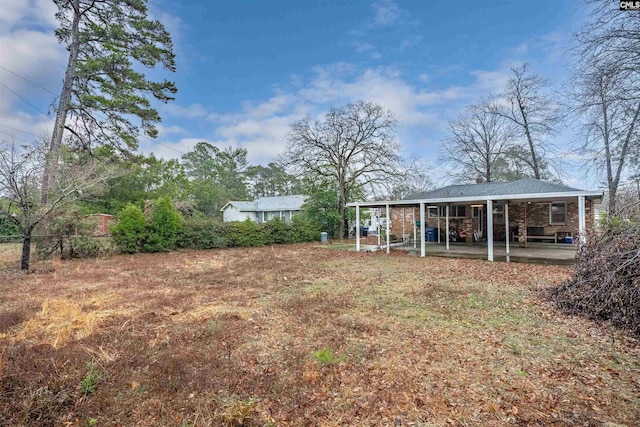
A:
(521, 215)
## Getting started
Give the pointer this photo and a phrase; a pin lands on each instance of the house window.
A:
(498, 214)
(558, 213)
(457, 211)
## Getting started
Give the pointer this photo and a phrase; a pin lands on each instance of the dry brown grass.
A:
(228, 337)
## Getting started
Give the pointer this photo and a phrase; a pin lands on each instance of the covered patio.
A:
(539, 253)
(474, 220)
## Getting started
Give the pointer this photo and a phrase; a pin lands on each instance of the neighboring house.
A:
(519, 211)
(263, 209)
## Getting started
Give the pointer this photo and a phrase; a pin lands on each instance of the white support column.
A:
(413, 218)
(357, 228)
(388, 230)
(423, 248)
(506, 222)
(581, 218)
(446, 225)
(404, 233)
(490, 229)
(438, 209)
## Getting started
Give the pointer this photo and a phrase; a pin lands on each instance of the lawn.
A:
(301, 335)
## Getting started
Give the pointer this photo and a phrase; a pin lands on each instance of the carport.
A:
(527, 194)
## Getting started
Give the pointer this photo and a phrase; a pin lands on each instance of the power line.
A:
(47, 90)
(20, 130)
(28, 81)
(12, 136)
(25, 100)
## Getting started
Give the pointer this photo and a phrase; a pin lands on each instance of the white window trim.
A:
(566, 213)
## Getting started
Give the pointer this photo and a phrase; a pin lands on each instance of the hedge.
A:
(209, 233)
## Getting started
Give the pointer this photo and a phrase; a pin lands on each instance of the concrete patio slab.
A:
(538, 253)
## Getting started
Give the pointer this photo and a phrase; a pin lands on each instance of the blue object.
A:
(568, 239)
(431, 234)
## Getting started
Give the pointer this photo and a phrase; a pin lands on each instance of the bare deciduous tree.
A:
(479, 143)
(21, 169)
(610, 126)
(353, 146)
(531, 109)
(606, 95)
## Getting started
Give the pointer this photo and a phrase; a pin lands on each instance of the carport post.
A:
(446, 225)
(506, 222)
(490, 229)
(357, 228)
(438, 209)
(388, 237)
(423, 248)
(581, 218)
(413, 219)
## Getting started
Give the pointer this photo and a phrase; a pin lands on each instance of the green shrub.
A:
(86, 247)
(246, 233)
(203, 233)
(131, 229)
(304, 229)
(164, 227)
(277, 231)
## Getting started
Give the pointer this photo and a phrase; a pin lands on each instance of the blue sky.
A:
(248, 69)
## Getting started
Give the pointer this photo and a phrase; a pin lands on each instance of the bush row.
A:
(164, 229)
(208, 233)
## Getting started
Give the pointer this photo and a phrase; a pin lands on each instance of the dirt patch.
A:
(300, 335)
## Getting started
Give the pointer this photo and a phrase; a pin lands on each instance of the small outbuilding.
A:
(102, 223)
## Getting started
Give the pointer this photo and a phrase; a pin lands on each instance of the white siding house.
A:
(263, 209)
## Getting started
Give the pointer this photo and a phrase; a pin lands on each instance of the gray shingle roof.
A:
(522, 186)
(276, 203)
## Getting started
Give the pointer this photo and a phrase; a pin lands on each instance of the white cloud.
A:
(31, 59)
(362, 47)
(424, 78)
(262, 126)
(170, 130)
(386, 13)
(409, 42)
(193, 111)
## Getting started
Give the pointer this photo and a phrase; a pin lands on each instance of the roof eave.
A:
(525, 196)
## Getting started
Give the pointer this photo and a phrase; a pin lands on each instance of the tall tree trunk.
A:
(614, 181)
(341, 212)
(26, 251)
(53, 153)
(532, 147)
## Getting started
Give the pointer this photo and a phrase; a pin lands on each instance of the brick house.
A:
(523, 211)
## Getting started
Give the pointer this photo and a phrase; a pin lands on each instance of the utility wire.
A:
(20, 130)
(28, 81)
(25, 100)
(13, 136)
(141, 135)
